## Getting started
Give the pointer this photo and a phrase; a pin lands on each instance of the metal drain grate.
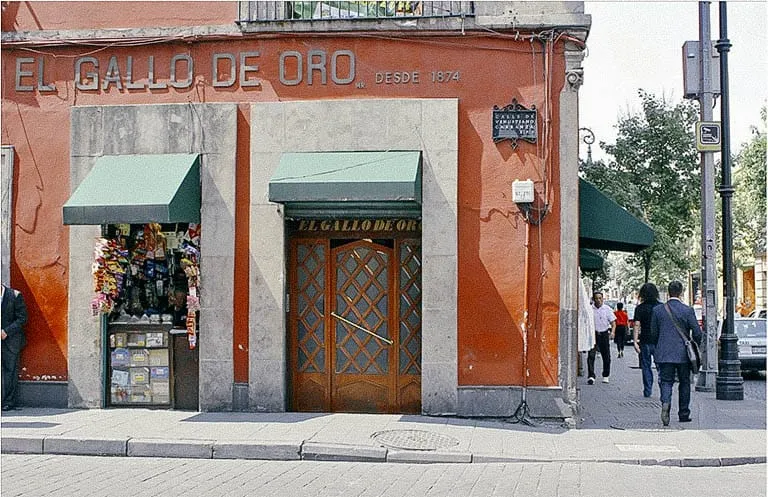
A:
(646, 404)
(414, 439)
(643, 426)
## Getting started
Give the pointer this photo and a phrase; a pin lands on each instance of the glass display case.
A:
(140, 364)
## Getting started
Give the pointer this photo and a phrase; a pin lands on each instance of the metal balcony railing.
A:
(265, 11)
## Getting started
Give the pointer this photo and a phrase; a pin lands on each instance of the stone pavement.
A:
(616, 424)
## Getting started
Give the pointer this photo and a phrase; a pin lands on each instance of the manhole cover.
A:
(643, 426)
(650, 404)
(414, 439)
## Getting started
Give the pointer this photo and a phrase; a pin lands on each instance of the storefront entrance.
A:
(355, 324)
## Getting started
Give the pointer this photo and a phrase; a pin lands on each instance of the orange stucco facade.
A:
(495, 288)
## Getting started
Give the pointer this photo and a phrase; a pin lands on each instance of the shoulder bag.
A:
(694, 357)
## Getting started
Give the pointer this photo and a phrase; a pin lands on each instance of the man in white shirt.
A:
(605, 329)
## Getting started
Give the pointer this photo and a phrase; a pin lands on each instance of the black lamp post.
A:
(729, 384)
(589, 139)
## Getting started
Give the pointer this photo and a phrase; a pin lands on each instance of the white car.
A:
(752, 342)
(757, 313)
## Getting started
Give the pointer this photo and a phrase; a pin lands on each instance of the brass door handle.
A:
(385, 340)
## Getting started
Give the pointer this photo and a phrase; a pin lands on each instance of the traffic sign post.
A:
(701, 81)
(708, 136)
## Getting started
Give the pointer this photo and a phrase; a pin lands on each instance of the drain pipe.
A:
(522, 413)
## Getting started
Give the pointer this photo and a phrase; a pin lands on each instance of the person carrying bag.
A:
(677, 328)
(691, 348)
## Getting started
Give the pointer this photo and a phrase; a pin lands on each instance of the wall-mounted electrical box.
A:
(522, 191)
(692, 70)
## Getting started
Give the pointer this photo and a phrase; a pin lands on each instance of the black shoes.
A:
(665, 413)
(8, 408)
(665, 408)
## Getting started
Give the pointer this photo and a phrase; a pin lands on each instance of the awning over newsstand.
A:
(605, 225)
(590, 260)
(163, 188)
(324, 183)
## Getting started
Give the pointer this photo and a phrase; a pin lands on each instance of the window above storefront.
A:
(318, 10)
(352, 16)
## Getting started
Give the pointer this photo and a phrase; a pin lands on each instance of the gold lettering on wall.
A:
(367, 225)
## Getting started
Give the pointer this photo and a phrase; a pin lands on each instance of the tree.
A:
(654, 174)
(749, 215)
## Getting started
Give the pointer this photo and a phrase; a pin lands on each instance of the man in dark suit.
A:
(14, 316)
(670, 355)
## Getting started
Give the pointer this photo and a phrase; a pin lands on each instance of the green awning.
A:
(605, 225)
(138, 189)
(312, 183)
(590, 260)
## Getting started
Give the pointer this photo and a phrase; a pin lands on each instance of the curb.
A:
(308, 451)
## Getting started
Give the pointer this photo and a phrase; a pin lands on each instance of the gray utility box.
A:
(692, 70)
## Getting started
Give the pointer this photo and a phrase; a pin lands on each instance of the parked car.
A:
(699, 310)
(630, 308)
(751, 342)
(757, 313)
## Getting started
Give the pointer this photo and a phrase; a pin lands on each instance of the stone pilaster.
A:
(569, 218)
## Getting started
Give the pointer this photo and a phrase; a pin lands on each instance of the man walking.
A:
(670, 355)
(605, 329)
(645, 341)
(14, 316)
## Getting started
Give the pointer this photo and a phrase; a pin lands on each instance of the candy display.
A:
(136, 274)
(109, 268)
(146, 280)
(189, 263)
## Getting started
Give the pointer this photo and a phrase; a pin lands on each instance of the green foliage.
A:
(748, 208)
(654, 174)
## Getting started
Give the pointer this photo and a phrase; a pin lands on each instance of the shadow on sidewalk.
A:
(620, 404)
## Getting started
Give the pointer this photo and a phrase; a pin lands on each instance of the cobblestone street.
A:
(78, 476)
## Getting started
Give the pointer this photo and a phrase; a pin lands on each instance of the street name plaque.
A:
(515, 122)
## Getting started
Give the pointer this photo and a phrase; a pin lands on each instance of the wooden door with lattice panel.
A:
(355, 325)
(409, 326)
(364, 372)
(308, 322)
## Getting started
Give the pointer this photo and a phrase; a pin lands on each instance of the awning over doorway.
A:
(590, 260)
(605, 225)
(161, 188)
(321, 183)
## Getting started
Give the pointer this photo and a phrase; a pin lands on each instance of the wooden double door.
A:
(355, 325)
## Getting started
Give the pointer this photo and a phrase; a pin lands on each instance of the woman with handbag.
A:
(678, 330)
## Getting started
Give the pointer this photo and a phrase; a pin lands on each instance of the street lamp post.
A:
(729, 383)
(589, 139)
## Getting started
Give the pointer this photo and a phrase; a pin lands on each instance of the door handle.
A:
(385, 340)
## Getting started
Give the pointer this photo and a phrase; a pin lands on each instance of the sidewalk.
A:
(616, 424)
